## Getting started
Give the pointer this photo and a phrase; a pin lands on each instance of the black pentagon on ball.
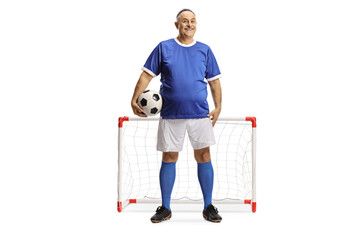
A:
(156, 97)
(146, 91)
(154, 110)
(143, 102)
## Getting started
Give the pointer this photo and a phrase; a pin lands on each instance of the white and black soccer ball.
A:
(151, 102)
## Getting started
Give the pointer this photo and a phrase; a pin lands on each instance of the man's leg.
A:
(171, 133)
(206, 179)
(167, 176)
(205, 173)
(167, 179)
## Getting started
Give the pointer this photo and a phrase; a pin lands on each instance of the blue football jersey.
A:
(185, 70)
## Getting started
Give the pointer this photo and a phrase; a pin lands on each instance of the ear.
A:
(176, 25)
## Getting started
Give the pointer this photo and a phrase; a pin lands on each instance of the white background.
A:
(68, 70)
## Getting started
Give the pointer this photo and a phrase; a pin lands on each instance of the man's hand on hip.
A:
(214, 115)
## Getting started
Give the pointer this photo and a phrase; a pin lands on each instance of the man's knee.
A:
(202, 155)
(170, 157)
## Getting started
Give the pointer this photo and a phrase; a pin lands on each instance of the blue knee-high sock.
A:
(206, 179)
(167, 179)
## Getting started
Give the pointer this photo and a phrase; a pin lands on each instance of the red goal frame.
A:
(122, 204)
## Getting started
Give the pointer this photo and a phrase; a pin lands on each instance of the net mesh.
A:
(231, 159)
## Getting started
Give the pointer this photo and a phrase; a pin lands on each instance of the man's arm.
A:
(215, 87)
(140, 87)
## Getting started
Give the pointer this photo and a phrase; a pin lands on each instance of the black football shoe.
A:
(211, 214)
(162, 214)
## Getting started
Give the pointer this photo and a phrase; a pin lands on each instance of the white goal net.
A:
(233, 160)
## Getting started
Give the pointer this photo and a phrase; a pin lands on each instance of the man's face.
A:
(186, 24)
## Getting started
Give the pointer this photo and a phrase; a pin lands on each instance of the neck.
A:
(185, 40)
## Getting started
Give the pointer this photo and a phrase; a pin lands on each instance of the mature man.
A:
(184, 64)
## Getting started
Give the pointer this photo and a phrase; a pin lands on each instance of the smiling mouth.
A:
(189, 29)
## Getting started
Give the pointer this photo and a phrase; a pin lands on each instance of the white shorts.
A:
(171, 134)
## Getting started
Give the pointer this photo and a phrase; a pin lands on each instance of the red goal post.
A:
(233, 157)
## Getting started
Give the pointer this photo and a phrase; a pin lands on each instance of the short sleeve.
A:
(153, 63)
(212, 68)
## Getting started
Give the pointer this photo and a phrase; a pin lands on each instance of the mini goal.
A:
(233, 158)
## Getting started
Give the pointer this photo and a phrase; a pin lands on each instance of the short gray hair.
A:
(183, 10)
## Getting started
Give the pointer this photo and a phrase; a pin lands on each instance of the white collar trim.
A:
(184, 45)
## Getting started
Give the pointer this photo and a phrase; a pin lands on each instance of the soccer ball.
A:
(151, 102)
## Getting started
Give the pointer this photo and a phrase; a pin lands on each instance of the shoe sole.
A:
(208, 219)
(159, 221)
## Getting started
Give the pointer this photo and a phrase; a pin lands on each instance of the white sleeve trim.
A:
(214, 78)
(148, 71)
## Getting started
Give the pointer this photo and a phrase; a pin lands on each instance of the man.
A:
(184, 64)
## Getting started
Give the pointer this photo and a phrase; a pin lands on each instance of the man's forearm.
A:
(215, 87)
(141, 85)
